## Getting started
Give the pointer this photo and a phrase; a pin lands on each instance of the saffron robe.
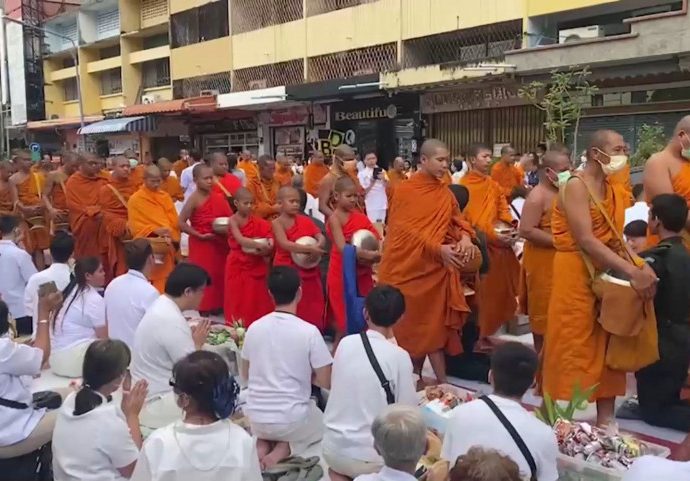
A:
(246, 292)
(265, 197)
(394, 179)
(313, 173)
(312, 306)
(115, 223)
(6, 204)
(85, 214)
(250, 170)
(498, 288)
(424, 215)
(507, 176)
(178, 166)
(283, 175)
(29, 193)
(172, 186)
(681, 186)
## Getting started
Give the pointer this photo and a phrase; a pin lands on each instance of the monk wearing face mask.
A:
(668, 171)
(575, 344)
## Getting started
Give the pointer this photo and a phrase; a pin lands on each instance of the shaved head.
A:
(344, 152)
(242, 194)
(287, 191)
(152, 171)
(267, 167)
(198, 169)
(430, 146)
(554, 159)
(164, 163)
(344, 183)
(601, 138)
(121, 167)
(435, 158)
(683, 126)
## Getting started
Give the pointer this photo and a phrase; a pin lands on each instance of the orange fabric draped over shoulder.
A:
(58, 196)
(498, 288)
(424, 215)
(507, 176)
(265, 197)
(6, 204)
(172, 186)
(137, 175)
(394, 179)
(681, 186)
(115, 223)
(313, 173)
(179, 166)
(149, 210)
(250, 170)
(85, 214)
(575, 343)
(29, 193)
(283, 175)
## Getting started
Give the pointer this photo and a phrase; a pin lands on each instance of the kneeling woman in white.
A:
(205, 445)
(96, 439)
(80, 320)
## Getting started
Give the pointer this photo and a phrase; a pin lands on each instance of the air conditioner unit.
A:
(580, 33)
(258, 84)
(149, 99)
(209, 92)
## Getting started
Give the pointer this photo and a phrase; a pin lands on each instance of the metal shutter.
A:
(107, 24)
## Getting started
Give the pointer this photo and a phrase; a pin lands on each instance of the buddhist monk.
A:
(54, 194)
(85, 213)
(265, 189)
(26, 188)
(343, 164)
(170, 184)
(487, 211)
(6, 202)
(246, 270)
(283, 174)
(181, 163)
(138, 172)
(506, 174)
(223, 182)
(575, 343)
(290, 226)
(315, 170)
(208, 248)
(113, 198)
(246, 164)
(537, 256)
(396, 175)
(669, 170)
(427, 244)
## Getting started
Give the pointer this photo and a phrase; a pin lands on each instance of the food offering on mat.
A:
(445, 398)
(221, 335)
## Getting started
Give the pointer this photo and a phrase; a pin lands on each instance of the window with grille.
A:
(155, 41)
(109, 52)
(250, 15)
(362, 61)
(155, 73)
(152, 9)
(283, 73)
(192, 87)
(69, 89)
(208, 22)
(107, 24)
(111, 81)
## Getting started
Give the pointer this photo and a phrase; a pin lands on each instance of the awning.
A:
(62, 123)
(258, 97)
(122, 124)
(337, 88)
(206, 103)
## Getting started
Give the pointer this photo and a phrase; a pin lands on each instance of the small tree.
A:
(651, 139)
(562, 100)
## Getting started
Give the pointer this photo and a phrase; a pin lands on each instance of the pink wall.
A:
(13, 8)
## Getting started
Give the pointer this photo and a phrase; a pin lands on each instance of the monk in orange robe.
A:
(315, 170)
(427, 244)
(537, 257)
(223, 182)
(250, 169)
(396, 175)
(283, 174)
(170, 184)
(575, 342)
(6, 202)
(152, 215)
(290, 226)
(208, 248)
(55, 195)
(246, 269)
(668, 172)
(344, 164)
(85, 214)
(181, 163)
(140, 169)
(506, 174)
(27, 192)
(113, 198)
(265, 189)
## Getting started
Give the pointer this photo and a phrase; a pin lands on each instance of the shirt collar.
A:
(60, 266)
(391, 474)
(172, 305)
(375, 335)
(7, 242)
(138, 274)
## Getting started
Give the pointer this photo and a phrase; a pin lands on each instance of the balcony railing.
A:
(264, 76)
(361, 61)
(248, 15)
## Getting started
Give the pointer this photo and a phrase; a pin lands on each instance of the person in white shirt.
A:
(513, 367)
(374, 181)
(187, 177)
(163, 337)
(654, 468)
(80, 320)
(232, 168)
(400, 438)
(459, 169)
(205, 445)
(640, 209)
(17, 268)
(311, 207)
(128, 296)
(96, 439)
(59, 272)
(24, 430)
(282, 354)
(357, 395)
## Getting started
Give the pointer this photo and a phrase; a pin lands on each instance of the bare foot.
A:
(337, 476)
(280, 451)
(263, 447)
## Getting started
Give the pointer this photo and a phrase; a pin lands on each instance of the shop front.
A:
(227, 135)
(290, 128)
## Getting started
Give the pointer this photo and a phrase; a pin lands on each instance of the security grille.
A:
(111, 81)
(250, 15)
(192, 87)
(107, 24)
(152, 11)
(69, 89)
(362, 61)
(317, 7)
(283, 73)
(156, 73)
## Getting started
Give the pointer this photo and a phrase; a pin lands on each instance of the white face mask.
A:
(616, 163)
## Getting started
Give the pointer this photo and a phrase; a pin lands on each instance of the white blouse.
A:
(77, 320)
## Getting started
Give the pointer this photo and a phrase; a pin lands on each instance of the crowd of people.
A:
(97, 269)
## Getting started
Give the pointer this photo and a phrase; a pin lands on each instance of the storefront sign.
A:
(372, 113)
(226, 125)
(297, 116)
(472, 99)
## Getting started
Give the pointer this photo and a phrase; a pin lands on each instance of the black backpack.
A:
(34, 466)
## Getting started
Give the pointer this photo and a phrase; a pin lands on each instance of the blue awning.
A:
(122, 124)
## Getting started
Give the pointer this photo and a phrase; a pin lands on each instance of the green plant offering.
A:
(551, 411)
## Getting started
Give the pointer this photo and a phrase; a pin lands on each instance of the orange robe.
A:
(265, 197)
(681, 186)
(622, 178)
(394, 179)
(85, 214)
(6, 204)
(246, 292)
(179, 166)
(498, 288)
(115, 223)
(149, 210)
(536, 277)
(137, 175)
(447, 178)
(312, 306)
(210, 254)
(575, 343)
(172, 186)
(58, 196)
(313, 173)
(250, 170)
(29, 194)
(507, 176)
(283, 175)
(424, 215)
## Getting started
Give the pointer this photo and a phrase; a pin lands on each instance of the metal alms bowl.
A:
(261, 240)
(304, 260)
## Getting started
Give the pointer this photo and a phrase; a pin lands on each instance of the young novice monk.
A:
(246, 292)
(287, 228)
(342, 224)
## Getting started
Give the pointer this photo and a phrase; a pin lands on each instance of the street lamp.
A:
(73, 52)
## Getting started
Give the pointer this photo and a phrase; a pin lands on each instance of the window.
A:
(109, 52)
(156, 73)
(69, 89)
(155, 41)
(201, 24)
(67, 62)
(184, 27)
(111, 81)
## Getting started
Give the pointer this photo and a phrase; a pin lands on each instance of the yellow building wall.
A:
(543, 7)
(149, 54)
(70, 109)
(52, 92)
(131, 72)
(129, 15)
(163, 93)
(61, 74)
(202, 58)
(112, 102)
(181, 5)
(90, 83)
(105, 64)
(269, 45)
